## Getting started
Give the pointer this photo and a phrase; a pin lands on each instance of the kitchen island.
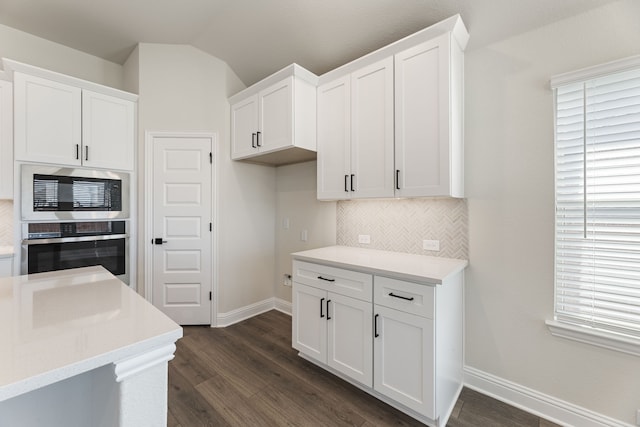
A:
(80, 348)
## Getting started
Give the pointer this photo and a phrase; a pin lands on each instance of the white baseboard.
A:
(246, 312)
(540, 404)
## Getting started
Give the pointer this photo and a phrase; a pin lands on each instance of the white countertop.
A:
(416, 268)
(59, 324)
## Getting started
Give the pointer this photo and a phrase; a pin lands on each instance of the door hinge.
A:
(209, 296)
(211, 158)
(210, 226)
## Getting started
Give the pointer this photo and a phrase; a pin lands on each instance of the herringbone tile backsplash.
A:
(6, 223)
(401, 225)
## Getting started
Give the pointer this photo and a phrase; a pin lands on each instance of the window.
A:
(597, 195)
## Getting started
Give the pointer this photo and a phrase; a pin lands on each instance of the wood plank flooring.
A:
(248, 375)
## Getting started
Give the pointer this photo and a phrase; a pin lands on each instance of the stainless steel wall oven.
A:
(63, 245)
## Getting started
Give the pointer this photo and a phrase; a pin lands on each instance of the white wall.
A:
(185, 89)
(27, 48)
(509, 170)
(296, 199)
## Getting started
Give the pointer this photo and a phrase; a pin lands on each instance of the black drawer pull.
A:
(253, 140)
(321, 303)
(346, 178)
(328, 280)
(397, 179)
(391, 294)
(352, 179)
(328, 317)
(375, 326)
(258, 139)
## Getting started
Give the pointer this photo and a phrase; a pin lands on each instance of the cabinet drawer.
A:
(344, 282)
(404, 296)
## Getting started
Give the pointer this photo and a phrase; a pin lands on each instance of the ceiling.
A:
(258, 37)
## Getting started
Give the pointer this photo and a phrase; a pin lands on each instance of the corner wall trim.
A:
(282, 306)
(248, 311)
(535, 402)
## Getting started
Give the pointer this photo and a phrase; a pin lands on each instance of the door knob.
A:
(158, 241)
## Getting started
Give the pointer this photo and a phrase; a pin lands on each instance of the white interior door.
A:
(182, 227)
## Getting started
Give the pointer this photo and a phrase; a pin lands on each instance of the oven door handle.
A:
(73, 239)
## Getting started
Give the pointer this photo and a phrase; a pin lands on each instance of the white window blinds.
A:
(597, 247)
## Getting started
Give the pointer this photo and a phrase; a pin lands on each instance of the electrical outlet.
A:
(287, 280)
(285, 223)
(364, 239)
(431, 245)
(304, 235)
(638, 417)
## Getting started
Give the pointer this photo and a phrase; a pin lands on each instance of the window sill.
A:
(609, 340)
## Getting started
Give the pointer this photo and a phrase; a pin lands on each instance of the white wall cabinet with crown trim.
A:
(66, 121)
(428, 119)
(274, 121)
(422, 154)
(6, 140)
(411, 331)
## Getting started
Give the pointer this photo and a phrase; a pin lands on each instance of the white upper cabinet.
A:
(108, 131)
(275, 116)
(428, 120)
(274, 121)
(48, 121)
(372, 131)
(244, 126)
(401, 126)
(355, 134)
(6, 140)
(66, 121)
(334, 139)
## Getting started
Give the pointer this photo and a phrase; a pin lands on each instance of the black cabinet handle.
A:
(391, 294)
(86, 152)
(397, 179)
(321, 302)
(77, 151)
(375, 326)
(159, 241)
(352, 179)
(328, 317)
(328, 280)
(346, 178)
(258, 139)
(253, 140)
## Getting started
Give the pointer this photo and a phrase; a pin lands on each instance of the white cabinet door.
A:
(309, 323)
(47, 120)
(372, 130)
(350, 337)
(422, 119)
(108, 131)
(403, 359)
(244, 128)
(334, 139)
(6, 140)
(275, 127)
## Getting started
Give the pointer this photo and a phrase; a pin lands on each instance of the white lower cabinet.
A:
(403, 359)
(335, 330)
(398, 340)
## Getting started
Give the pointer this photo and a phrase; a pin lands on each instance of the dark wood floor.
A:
(248, 375)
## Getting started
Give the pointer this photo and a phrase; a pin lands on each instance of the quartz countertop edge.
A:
(64, 372)
(412, 267)
(112, 322)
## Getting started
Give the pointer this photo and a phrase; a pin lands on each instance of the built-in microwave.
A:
(59, 193)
